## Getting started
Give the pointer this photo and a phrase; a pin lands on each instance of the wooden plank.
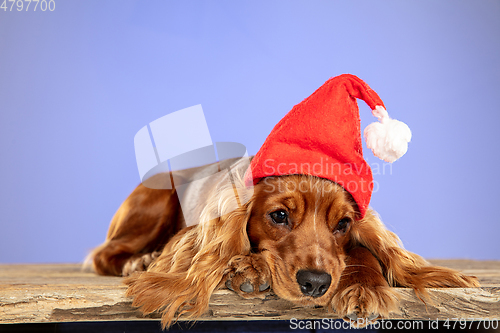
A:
(62, 293)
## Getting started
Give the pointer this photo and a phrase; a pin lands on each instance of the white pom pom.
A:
(388, 139)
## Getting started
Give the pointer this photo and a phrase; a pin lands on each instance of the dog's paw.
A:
(364, 305)
(139, 263)
(249, 276)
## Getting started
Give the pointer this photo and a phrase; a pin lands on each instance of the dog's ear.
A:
(194, 262)
(401, 267)
(386, 246)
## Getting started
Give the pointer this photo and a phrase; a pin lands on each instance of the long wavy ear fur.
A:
(401, 267)
(194, 262)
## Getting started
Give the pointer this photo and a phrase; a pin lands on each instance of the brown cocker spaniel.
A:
(297, 235)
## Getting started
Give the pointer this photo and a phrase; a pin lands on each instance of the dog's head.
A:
(301, 224)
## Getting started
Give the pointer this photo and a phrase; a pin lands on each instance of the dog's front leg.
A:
(363, 295)
(248, 275)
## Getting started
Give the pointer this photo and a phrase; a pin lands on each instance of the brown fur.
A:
(246, 249)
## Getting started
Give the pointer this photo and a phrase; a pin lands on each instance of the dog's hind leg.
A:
(141, 227)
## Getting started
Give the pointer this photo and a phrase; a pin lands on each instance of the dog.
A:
(300, 236)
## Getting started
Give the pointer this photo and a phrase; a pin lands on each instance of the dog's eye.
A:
(279, 217)
(342, 225)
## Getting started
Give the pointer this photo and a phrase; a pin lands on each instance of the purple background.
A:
(76, 85)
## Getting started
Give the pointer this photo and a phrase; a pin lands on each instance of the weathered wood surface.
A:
(61, 293)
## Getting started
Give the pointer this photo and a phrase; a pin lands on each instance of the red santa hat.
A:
(321, 136)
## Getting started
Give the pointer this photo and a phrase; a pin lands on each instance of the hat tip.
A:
(388, 139)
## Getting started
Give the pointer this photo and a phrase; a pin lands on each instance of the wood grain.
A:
(62, 293)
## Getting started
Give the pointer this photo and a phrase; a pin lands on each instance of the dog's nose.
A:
(313, 283)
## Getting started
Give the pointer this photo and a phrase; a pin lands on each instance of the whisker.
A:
(345, 274)
(356, 266)
(362, 266)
